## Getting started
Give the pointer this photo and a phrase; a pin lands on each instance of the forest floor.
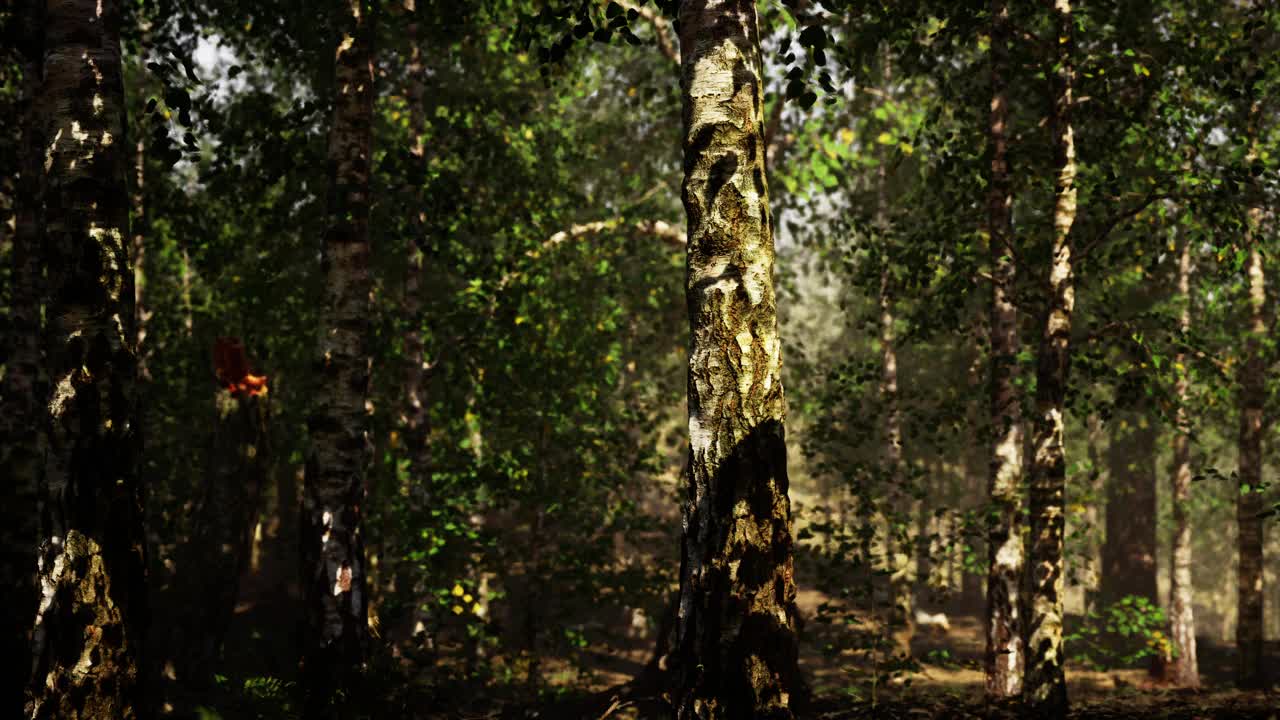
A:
(841, 672)
(948, 683)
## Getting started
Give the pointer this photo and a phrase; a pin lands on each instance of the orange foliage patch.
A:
(232, 369)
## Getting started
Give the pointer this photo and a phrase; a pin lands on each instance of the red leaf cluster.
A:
(232, 369)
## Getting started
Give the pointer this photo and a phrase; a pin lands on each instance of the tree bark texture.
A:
(1249, 505)
(736, 644)
(1006, 555)
(89, 624)
(23, 389)
(222, 535)
(1045, 688)
(335, 641)
(1182, 669)
(1129, 549)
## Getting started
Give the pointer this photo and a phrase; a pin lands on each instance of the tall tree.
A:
(1249, 529)
(1004, 656)
(899, 554)
(1129, 548)
(1045, 689)
(91, 557)
(237, 469)
(334, 579)
(1249, 538)
(1183, 669)
(22, 390)
(736, 643)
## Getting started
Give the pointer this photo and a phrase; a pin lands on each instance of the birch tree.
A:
(1004, 656)
(1045, 688)
(735, 644)
(91, 557)
(336, 636)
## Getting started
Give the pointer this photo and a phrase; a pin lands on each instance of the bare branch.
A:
(661, 29)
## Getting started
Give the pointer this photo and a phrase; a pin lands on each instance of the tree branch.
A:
(661, 29)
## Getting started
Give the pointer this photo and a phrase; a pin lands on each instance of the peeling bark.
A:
(1249, 502)
(89, 625)
(336, 638)
(1004, 653)
(1045, 688)
(1182, 670)
(736, 648)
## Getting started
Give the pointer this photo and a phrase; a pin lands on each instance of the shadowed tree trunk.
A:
(735, 646)
(1129, 548)
(23, 390)
(1045, 688)
(222, 534)
(1005, 552)
(1249, 506)
(139, 260)
(91, 559)
(336, 635)
(1182, 670)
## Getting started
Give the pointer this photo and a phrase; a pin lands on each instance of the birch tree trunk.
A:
(1004, 655)
(736, 643)
(1182, 670)
(92, 553)
(22, 390)
(1249, 505)
(1045, 689)
(336, 638)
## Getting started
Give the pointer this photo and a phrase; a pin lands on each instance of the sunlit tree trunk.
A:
(1045, 688)
(1249, 505)
(1182, 670)
(91, 560)
(336, 638)
(736, 642)
(22, 390)
(1004, 655)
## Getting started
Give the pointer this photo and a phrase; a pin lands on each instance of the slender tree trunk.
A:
(1182, 670)
(335, 643)
(91, 560)
(222, 536)
(1005, 655)
(1045, 689)
(736, 642)
(898, 545)
(1249, 505)
(139, 260)
(23, 390)
(1129, 548)
(414, 417)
